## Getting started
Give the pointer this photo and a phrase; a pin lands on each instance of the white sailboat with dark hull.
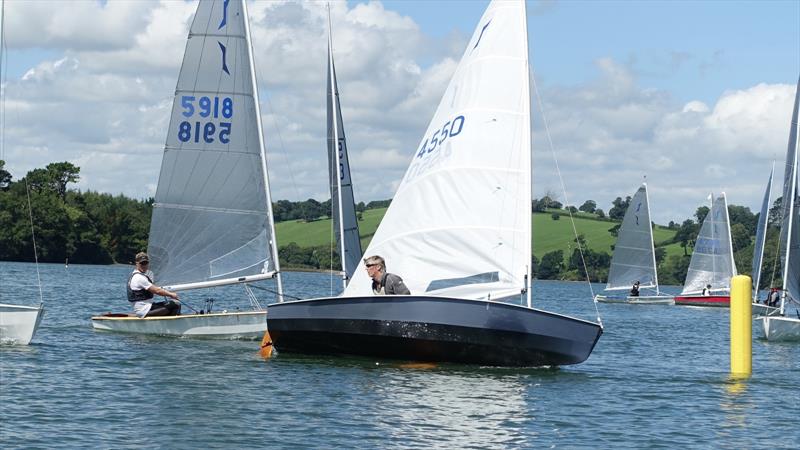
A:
(345, 222)
(459, 233)
(634, 259)
(212, 221)
(786, 324)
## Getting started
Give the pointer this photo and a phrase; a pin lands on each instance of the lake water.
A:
(657, 378)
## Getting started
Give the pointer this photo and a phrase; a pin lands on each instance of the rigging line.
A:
(3, 76)
(564, 190)
(273, 292)
(33, 236)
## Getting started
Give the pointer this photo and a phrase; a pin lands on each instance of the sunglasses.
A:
(371, 265)
(144, 263)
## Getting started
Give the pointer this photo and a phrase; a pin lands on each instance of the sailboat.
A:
(212, 221)
(18, 323)
(634, 257)
(458, 231)
(783, 326)
(757, 308)
(345, 222)
(712, 260)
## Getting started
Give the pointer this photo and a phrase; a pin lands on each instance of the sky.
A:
(694, 96)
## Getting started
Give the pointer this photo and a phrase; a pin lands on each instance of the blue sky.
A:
(695, 95)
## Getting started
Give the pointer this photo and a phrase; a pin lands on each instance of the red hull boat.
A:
(723, 301)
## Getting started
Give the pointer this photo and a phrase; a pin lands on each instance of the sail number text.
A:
(449, 130)
(205, 107)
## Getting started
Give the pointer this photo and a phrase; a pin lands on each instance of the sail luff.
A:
(652, 242)
(273, 244)
(761, 231)
(527, 136)
(337, 205)
(791, 239)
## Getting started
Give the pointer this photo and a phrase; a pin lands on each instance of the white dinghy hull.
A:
(18, 323)
(781, 328)
(641, 300)
(760, 309)
(235, 325)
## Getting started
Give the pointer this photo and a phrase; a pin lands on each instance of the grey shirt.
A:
(390, 284)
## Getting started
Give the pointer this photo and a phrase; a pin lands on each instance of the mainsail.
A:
(634, 256)
(345, 224)
(758, 248)
(212, 217)
(460, 222)
(712, 258)
(790, 228)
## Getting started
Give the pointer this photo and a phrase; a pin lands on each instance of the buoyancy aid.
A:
(138, 295)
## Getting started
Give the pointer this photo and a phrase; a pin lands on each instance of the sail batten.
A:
(212, 215)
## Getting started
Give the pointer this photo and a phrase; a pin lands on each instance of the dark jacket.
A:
(392, 285)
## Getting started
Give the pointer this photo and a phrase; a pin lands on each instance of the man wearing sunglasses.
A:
(384, 283)
(141, 291)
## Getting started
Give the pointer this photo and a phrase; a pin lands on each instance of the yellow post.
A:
(741, 326)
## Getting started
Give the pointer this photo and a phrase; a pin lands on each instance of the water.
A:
(657, 378)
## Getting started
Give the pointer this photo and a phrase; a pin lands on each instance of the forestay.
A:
(634, 257)
(712, 258)
(211, 213)
(345, 224)
(790, 228)
(460, 222)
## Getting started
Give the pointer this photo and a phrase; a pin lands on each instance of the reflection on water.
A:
(657, 378)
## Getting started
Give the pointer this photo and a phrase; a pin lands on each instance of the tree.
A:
(572, 209)
(5, 176)
(60, 174)
(600, 213)
(617, 212)
(686, 235)
(615, 230)
(701, 213)
(740, 237)
(555, 216)
(742, 215)
(588, 206)
(551, 266)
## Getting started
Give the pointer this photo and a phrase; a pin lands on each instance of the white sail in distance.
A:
(634, 255)
(212, 213)
(460, 222)
(761, 232)
(790, 227)
(345, 223)
(712, 258)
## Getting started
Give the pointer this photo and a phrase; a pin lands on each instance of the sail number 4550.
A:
(205, 107)
(450, 129)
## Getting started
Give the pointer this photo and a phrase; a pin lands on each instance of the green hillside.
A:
(548, 234)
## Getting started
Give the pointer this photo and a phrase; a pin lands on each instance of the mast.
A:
(730, 241)
(273, 242)
(337, 147)
(528, 198)
(792, 197)
(650, 231)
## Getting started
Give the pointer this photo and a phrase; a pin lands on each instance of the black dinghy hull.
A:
(437, 329)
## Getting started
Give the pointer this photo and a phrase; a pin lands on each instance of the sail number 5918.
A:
(205, 107)
(450, 129)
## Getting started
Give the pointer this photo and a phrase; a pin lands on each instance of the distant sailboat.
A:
(762, 309)
(458, 230)
(712, 261)
(634, 257)
(345, 222)
(18, 323)
(212, 219)
(783, 326)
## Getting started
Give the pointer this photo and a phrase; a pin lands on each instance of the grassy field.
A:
(548, 234)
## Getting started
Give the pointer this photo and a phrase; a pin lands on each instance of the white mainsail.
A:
(460, 222)
(345, 223)
(790, 228)
(761, 232)
(212, 218)
(634, 255)
(712, 258)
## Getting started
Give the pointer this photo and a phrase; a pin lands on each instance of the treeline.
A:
(95, 228)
